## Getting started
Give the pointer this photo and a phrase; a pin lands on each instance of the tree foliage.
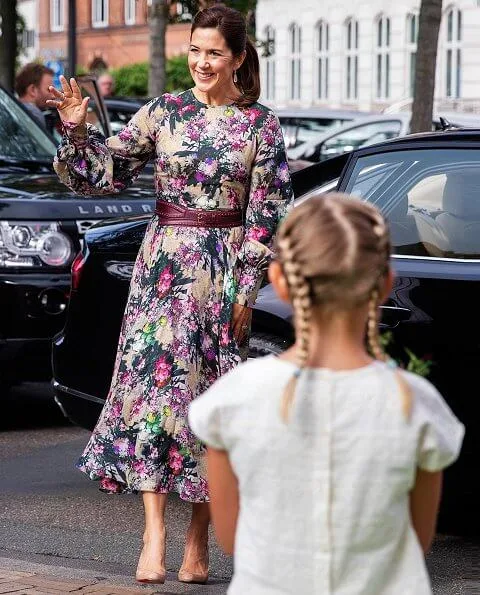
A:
(132, 80)
(178, 74)
(246, 7)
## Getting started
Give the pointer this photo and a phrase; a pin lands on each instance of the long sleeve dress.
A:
(176, 337)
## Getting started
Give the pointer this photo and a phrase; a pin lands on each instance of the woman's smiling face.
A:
(212, 63)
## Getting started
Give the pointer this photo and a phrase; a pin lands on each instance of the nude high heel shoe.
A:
(150, 577)
(144, 575)
(197, 578)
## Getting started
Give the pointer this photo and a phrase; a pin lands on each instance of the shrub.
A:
(178, 74)
(131, 80)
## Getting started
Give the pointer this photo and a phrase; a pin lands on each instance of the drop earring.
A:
(235, 78)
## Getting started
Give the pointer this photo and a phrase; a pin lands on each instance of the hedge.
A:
(132, 80)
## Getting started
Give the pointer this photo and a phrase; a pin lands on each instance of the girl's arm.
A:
(424, 504)
(224, 498)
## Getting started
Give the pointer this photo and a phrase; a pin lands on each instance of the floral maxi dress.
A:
(176, 337)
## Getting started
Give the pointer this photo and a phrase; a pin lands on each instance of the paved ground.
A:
(59, 534)
(47, 580)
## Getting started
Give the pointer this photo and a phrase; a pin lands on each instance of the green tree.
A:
(178, 74)
(131, 80)
(247, 7)
(425, 65)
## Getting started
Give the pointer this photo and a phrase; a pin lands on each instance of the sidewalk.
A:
(40, 579)
(29, 583)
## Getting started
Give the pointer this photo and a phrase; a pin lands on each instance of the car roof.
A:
(402, 117)
(439, 136)
(460, 118)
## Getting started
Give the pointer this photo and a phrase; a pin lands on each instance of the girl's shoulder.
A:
(211, 414)
(247, 382)
(439, 432)
(249, 378)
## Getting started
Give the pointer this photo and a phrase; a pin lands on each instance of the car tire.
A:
(262, 344)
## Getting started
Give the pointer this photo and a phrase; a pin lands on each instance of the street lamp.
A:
(72, 37)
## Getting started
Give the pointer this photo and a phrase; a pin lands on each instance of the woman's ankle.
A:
(197, 535)
(158, 534)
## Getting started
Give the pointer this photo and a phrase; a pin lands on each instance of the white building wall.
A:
(28, 9)
(279, 14)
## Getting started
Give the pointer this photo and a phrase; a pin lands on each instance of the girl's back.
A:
(324, 499)
(329, 462)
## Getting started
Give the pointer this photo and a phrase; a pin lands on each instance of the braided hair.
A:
(334, 251)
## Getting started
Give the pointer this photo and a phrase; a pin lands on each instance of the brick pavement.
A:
(30, 583)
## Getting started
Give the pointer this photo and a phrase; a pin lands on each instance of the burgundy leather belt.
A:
(170, 214)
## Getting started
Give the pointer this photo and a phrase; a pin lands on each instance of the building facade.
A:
(110, 33)
(28, 10)
(361, 54)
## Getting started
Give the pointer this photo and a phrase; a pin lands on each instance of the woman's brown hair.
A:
(232, 26)
(335, 251)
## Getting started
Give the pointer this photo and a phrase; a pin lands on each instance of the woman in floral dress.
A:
(216, 150)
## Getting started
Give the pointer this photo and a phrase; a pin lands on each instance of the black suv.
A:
(42, 225)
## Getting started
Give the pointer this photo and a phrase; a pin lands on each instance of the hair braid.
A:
(302, 303)
(378, 353)
(335, 252)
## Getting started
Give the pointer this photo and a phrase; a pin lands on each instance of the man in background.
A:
(31, 85)
(106, 84)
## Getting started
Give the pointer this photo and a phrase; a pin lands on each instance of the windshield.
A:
(20, 136)
(431, 198)
(298, 130)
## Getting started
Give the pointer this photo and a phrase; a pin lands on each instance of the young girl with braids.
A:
(325, 463)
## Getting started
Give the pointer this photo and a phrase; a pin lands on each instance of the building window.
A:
(28, 39)
(323, 47)
(412, 37)
(295, 61)
(130, 12)
(99, 13)
(270, 63)
(382, 58)
(351, 60)
(57, 17)
(453, 57)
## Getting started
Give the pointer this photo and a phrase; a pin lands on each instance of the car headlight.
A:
(33, 244)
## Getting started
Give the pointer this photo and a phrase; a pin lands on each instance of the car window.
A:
(431, 199)
(20, 136)
(360, 136)
(329, 186)
(119, 118)
(299, 130)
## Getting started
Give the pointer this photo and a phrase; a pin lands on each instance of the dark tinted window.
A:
(430, 197)
(20, 136)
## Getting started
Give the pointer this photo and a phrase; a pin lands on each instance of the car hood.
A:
(43, 196)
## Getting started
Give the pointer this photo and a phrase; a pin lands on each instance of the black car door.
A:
(430, 194)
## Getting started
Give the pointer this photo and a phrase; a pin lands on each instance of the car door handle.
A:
(392, 316)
